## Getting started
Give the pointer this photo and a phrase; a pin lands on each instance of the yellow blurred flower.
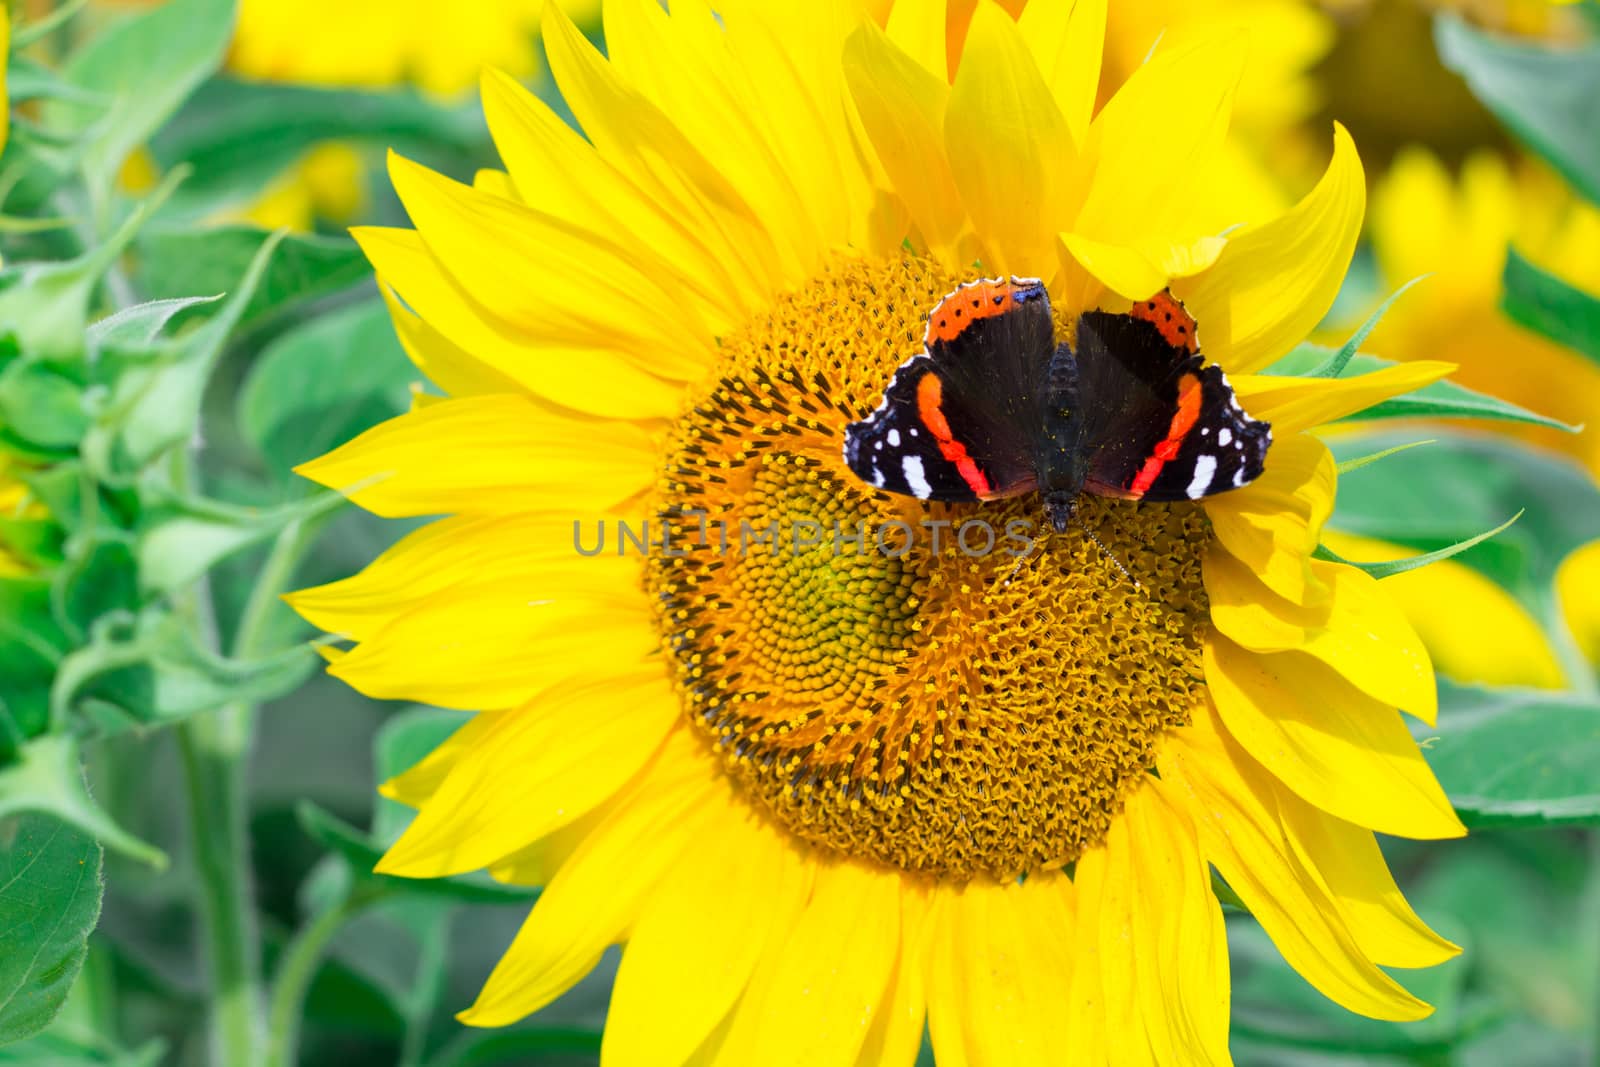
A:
(5, 65)
(827, 799)
(327, 183)
(1476, 632)
(1576, 585)
(1457, 231)
(376, 43)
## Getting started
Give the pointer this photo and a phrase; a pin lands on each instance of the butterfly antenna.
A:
(1112, 557)
(1012, 573)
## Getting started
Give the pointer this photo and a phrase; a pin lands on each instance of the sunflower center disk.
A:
(979, 708)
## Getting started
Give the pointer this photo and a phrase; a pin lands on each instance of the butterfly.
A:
(993, 407)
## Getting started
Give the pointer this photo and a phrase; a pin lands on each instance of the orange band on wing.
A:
(930, 398)
(1170, 317)
(1183, 420)
(979, 300)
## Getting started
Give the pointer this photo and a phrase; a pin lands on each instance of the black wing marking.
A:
(893, 450)
(1224, 449)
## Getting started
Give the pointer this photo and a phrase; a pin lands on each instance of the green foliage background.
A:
(187, 814)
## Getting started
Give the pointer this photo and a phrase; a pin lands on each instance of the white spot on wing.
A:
(894, 438)
(916, 480)
(1205, 468)
(1224, 436)
(1239, 478)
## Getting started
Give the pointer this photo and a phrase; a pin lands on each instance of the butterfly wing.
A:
(956, 420)
(1158, 424)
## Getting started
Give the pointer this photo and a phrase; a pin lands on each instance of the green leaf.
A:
(1547, 305)
(153, 669)
(183, 262)
(181, 539)
(1518, 757)
(1443, 399)
(1335, 364)
(1359, 462)
(1389, 568)
(47, 778)
(239, 135)
(49, 902)
(1273, 1005)
(46, 305)
(31, 645)
(155, 405)
(1518, 892)
(1434, 497)
(42, 406)
(1545, 95)
(320, 385)
(144, 67)
(141, 324)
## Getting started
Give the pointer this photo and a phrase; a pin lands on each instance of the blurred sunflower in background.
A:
(826, 799)
(439, 50)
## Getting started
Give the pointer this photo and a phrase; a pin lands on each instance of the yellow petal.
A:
(558, 172)
(1327, 741)
(917, 28)
(536, 769)
(697, 941)
(902, 109)
(1475, 631)
(1001, 969)
(1087, 1009)
(536, 551)
(598, 894)
(680, 62)
(495, 183)
(1134, 195)
(830, 979)
(448, 365)
(1273, 524)
(1136, 273)
(1359, 631)
(791, 53)
(489, 454)
(1009, 148)
(553, 279)
(1066, 40)
(1352, 868)
(896, 1036)
(560, 373)
(635, 136)
(490, 646)
(1182, 949)
(1576, 581)
(1277, 279)
(1124, 963)
(1240, 835)
(416, 785)
(1295, 404)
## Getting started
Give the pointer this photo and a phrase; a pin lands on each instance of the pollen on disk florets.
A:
(981, 707)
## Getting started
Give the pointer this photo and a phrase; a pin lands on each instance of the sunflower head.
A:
(794, 732)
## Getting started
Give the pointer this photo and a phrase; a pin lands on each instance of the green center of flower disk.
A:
(981, 709)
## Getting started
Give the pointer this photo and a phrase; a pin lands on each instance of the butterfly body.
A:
(994, 407)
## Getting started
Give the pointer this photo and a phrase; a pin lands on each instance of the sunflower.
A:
(1457, 231)
(376, 43)
(826, 796)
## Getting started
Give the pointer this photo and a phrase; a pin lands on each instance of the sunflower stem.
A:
(215, 749)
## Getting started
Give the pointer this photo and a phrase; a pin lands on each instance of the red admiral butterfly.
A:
(993, 407)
